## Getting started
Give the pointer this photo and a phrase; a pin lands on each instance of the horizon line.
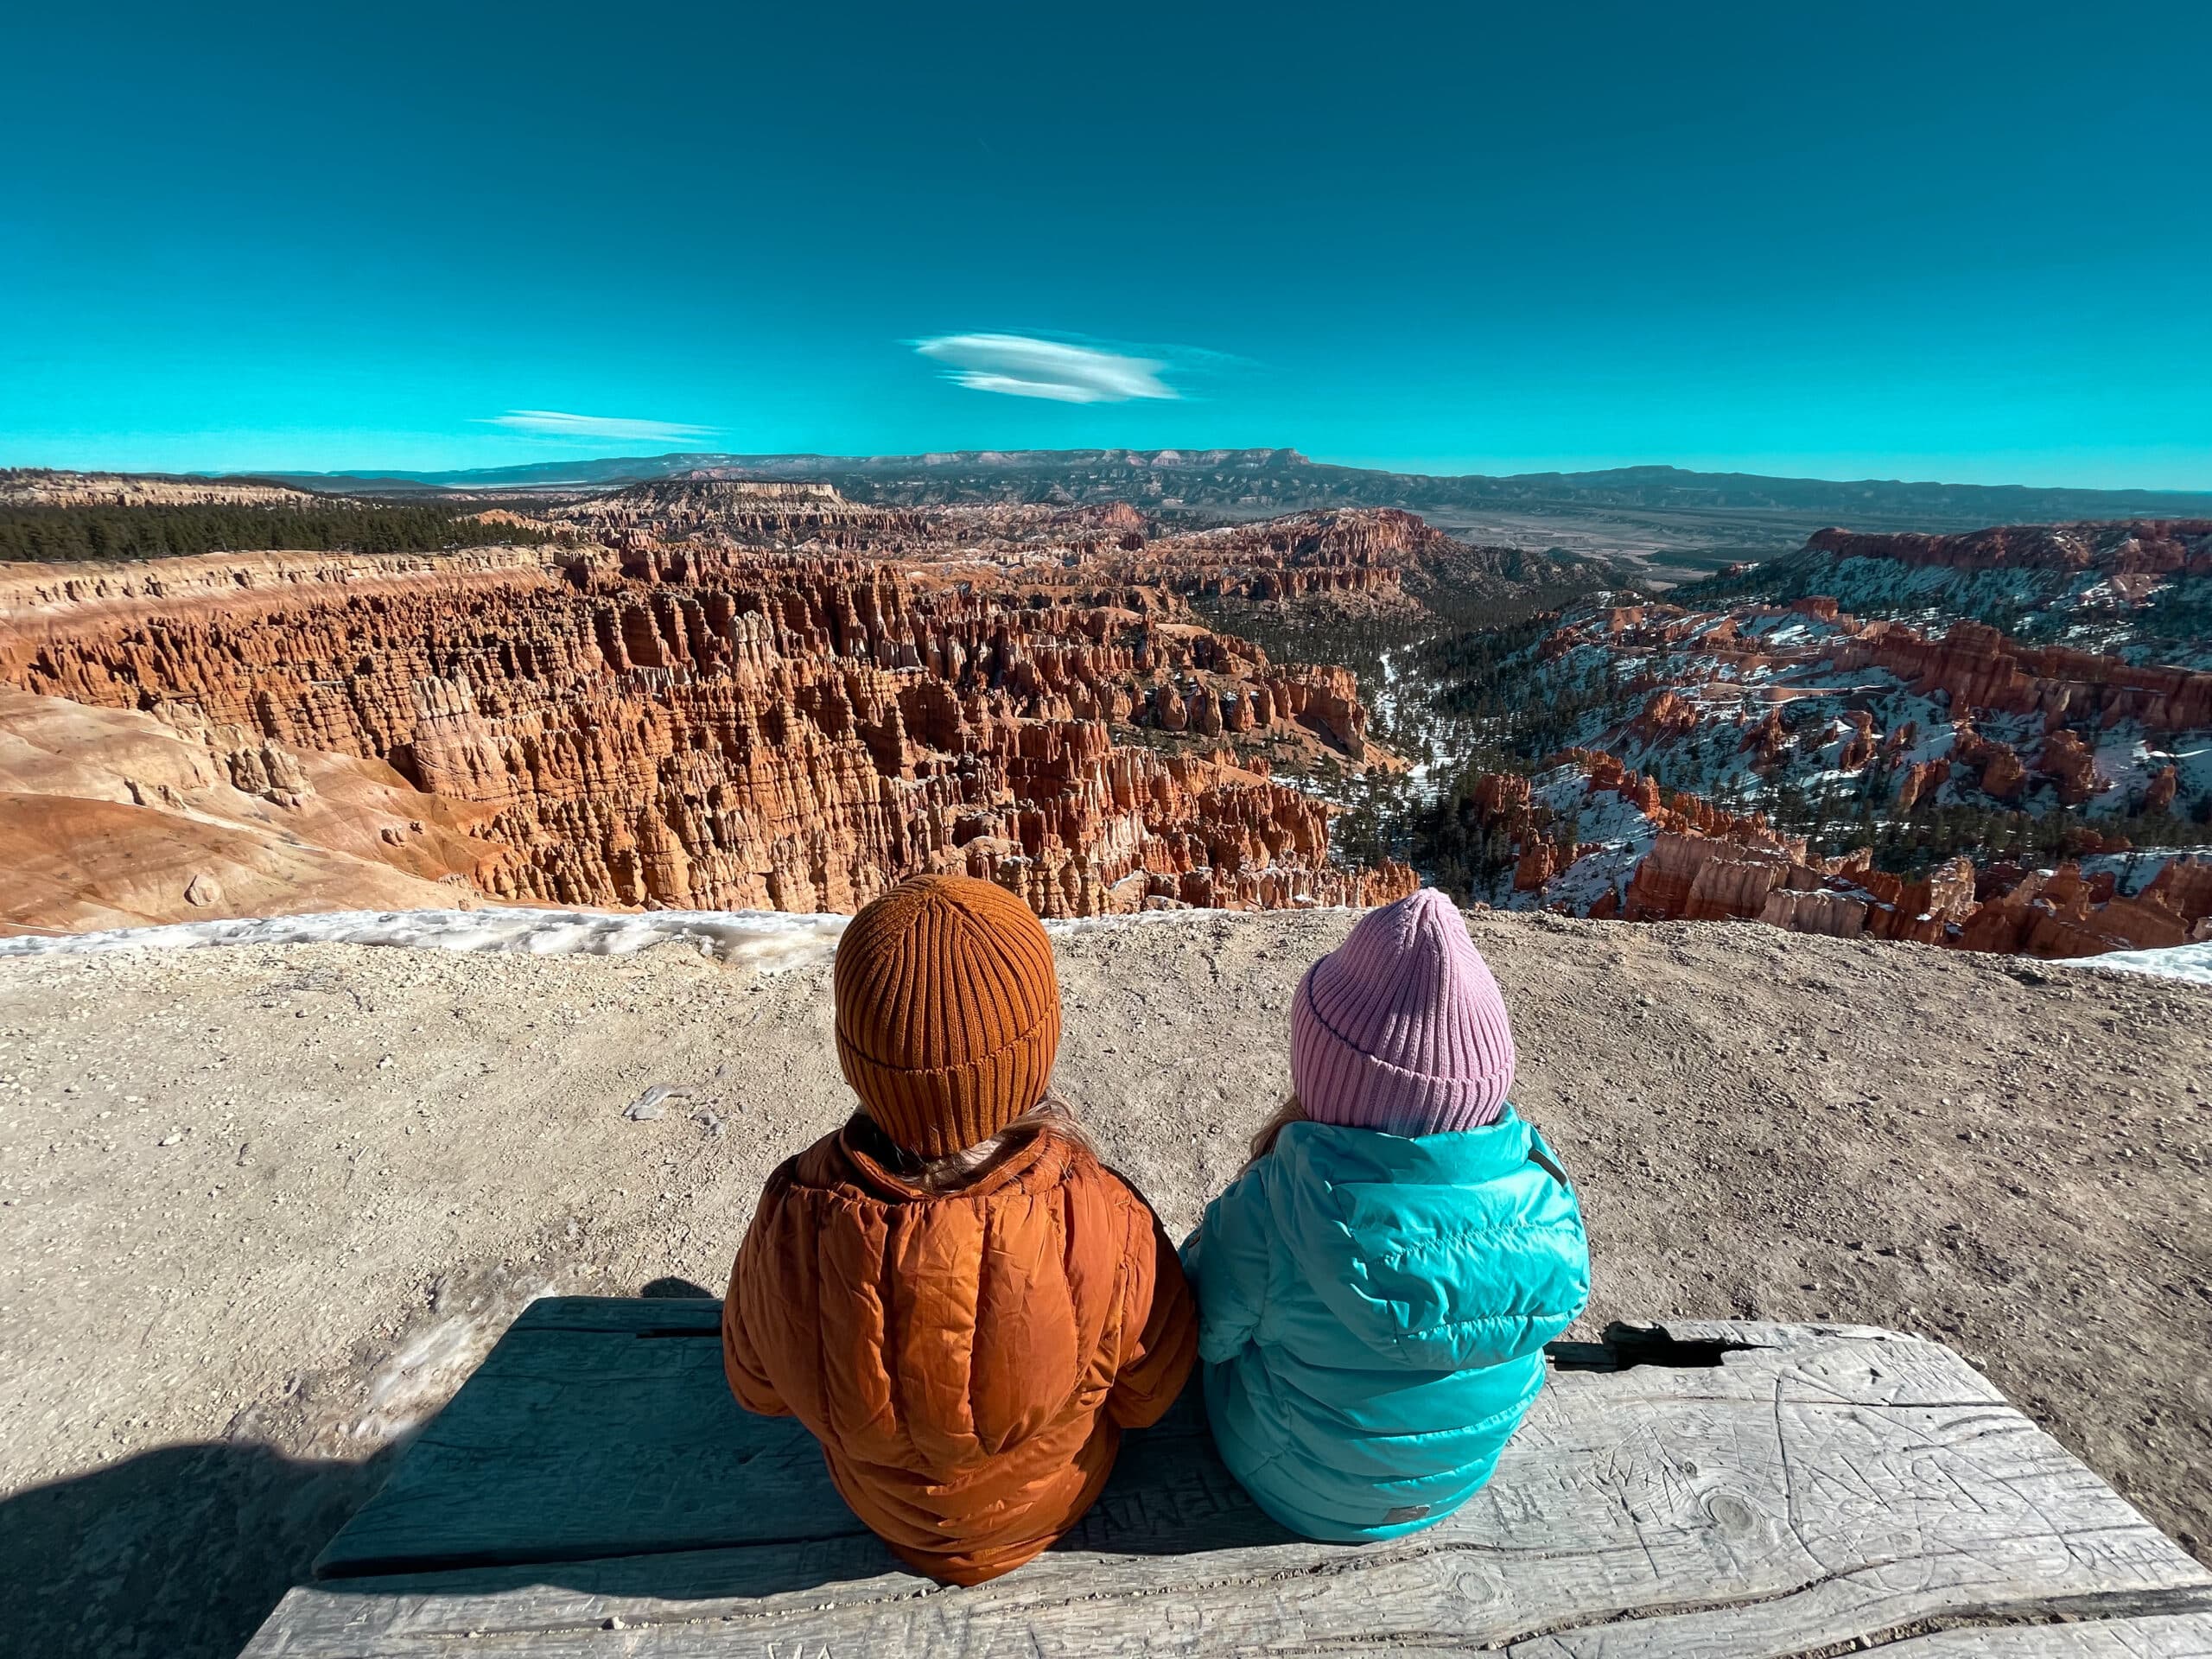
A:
(431, 475)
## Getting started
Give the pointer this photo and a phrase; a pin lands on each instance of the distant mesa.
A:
(37, 487)
(1257, 482)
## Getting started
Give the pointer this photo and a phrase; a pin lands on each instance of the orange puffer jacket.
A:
(967, 1361)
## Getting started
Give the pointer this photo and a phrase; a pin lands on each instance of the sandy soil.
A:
(261, 1209)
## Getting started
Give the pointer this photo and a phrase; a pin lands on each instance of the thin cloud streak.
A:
(1020, 366)
(551, 423)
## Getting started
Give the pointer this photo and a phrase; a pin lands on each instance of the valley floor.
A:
(262, 1207)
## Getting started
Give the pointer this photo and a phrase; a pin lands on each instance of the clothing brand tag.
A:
(1405, 1512)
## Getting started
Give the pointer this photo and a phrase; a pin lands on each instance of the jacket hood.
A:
(858, 1162)
(1438, 1251)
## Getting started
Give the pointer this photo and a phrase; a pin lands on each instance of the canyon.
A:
(701, 696)
(1696, 716)
(719, 690)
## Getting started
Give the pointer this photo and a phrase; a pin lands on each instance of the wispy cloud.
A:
(551, 423)
(1023, 367)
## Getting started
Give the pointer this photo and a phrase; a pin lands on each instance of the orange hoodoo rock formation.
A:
(1342, 552)
(1706, 864)
(1816, 708)
(1978, 667)
(710, 727)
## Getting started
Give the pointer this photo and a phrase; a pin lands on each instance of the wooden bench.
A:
(1705, 1488)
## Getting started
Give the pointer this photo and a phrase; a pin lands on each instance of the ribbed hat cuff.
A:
(938, 1110)
(1348, 1087)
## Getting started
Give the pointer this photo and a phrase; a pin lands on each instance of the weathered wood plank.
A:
(602, 1426)
(1172, 1617)
(1813, 1490)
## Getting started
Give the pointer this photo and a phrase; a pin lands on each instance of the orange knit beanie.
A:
(948, 1011)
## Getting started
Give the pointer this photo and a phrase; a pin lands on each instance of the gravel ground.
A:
(261, 1209)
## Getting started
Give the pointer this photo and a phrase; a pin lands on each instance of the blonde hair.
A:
(955, 1171)
(1291, 1111)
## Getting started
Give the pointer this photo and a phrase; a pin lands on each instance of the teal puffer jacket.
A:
(1372, 1313)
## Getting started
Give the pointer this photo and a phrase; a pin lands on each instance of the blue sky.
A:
(1961, 241)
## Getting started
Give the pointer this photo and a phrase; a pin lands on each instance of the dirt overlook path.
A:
(261, 1209)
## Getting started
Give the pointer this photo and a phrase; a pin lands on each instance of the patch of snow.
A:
(2190, 961)
(1613, 836)
(1058, 926)
(767, 940)
(2125, 759)
(2191, 754)
(1930, 595)
(1412, 736)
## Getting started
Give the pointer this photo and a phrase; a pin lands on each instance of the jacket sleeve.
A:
(1226, 1261)
(1159, 1322)
(748, 1379)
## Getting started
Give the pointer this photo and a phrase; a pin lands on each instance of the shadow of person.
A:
(185, 1551)
(175, 1554)
(1169, 1496)
(746, 1508)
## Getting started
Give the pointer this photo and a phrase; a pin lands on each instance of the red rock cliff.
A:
(722, 728)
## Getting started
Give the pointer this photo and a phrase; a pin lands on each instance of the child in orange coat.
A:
(951, 1292)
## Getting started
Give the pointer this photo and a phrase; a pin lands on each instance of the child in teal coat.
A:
(1375, 1289)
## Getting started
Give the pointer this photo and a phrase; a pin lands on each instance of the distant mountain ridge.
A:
(1274, 480)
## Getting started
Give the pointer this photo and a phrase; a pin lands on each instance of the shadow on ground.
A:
(173, 1554)
(179, 1553)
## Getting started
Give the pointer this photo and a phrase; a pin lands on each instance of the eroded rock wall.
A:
(726, 728)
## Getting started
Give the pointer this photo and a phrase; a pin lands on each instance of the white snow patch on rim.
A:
(770, 941)
(2190, 961)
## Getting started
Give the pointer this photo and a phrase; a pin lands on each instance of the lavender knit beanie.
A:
(1402, 1027)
